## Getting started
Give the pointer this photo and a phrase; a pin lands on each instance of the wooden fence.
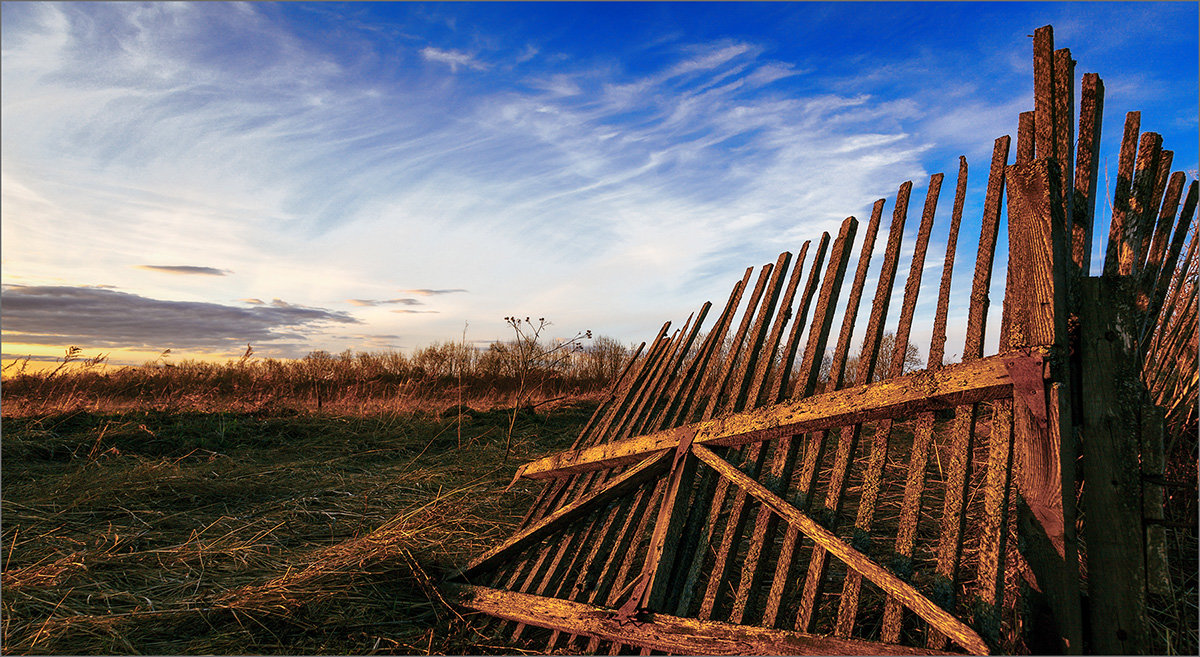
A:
(725, 499)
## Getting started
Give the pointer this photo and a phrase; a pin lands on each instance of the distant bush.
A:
(430, 377)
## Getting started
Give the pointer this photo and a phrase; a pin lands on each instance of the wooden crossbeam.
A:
(962, 383)
(880, 576)
(671, 634)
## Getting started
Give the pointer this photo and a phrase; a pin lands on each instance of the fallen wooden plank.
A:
(880, 576)
(671, 634)
(953, 385)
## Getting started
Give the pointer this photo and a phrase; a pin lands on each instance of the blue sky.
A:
(378, 176)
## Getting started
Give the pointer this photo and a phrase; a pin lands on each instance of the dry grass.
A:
(184, 532)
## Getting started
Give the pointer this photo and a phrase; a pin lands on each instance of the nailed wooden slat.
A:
(848, 445)
(703, 528)
(749, 364)
(963, 635)
(953, 511)
(1025, 137)
(915, 484)
(831, 287)
(937, 346)
(837, 368)
(764, 527)
(1045, 125)
(883, 289)
(648, 468)
(913, 285)
(1140, 220)
(1121, 192)
(986, 256)
(723, 382)
(698, 371)
(990, 583)
(1167, 271)
(1087, 169)
(779, 383)
(952, 385)
(660, 632)
(1158, 246)
(1064, 129)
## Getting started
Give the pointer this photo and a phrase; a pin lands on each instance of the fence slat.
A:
(698, 371)
(1044, 106)
(1064, 130)
(1121, 192)
(765, 523)
(848, 445)
(703, 527)
(1087, 170)
(1139, 230)
(963, 635)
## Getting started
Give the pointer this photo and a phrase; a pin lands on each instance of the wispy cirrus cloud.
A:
(453, 58)
(189, 270)
(321, 170)
(383, 302)
(426, 292)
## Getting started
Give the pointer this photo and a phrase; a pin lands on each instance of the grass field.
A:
(172, 532)
(302, 508)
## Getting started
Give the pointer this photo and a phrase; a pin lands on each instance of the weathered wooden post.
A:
(1112, 397)
(1044, 444)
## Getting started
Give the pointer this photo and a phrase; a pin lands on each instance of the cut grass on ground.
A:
(238, 533)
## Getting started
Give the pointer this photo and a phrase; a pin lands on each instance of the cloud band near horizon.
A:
(97, 317)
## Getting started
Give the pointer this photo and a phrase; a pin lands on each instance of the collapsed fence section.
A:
(728, 498)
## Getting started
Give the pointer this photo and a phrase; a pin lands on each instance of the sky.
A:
(383, 176)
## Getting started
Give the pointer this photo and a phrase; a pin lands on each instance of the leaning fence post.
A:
(1111, 401)
(1044, 442)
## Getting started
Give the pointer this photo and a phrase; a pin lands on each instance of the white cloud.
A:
(453, 58)
(600, 198)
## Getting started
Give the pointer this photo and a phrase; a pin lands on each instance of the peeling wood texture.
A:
(927, 390)
(739, 492)
(671, 634)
